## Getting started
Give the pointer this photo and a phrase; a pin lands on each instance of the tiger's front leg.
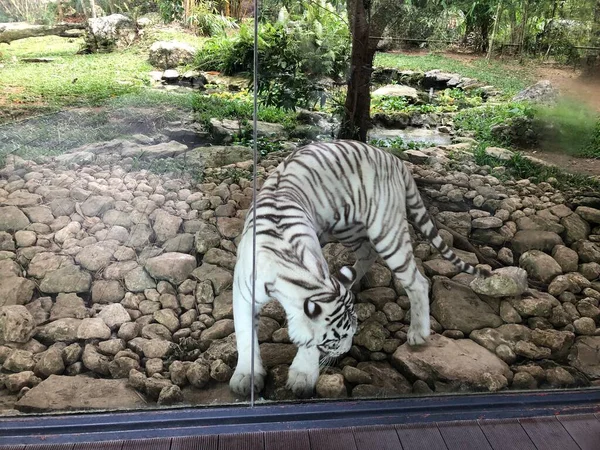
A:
(304, 371)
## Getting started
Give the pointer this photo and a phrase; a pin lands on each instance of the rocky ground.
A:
(115, 283)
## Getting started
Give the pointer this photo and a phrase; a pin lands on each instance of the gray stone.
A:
(566, 258)
(138, 280)
(331, 386)
(62, 393)
(575, 228)
(12, 219)
(220, 279)
(589, 214)
(50, 363)
(15, 291)
(17, 381)
(61, 330)
(450, 360)
(504, 282)
(588, 252)
(166, 225)
(96, 205)
(93, 329)
(585, 354)
(16, 324)
(66, 279)
(170, 54)
(114, 315)
(173, 267)
(19, 361)
(526, 240)
(107, 291)
(95, 361)
(68, 306)
(456, 307)
(539, 265)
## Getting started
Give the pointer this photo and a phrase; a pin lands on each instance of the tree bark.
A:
(356, 121)
(14, 31)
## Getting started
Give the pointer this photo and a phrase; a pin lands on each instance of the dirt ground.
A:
(570, 84)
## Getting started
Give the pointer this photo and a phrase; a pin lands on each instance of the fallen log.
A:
(21, 30)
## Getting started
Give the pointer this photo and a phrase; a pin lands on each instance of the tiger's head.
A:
(331, 315)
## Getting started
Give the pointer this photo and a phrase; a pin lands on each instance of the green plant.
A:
(207, 20)
(398, 146)
(294, 53)
(171, 10)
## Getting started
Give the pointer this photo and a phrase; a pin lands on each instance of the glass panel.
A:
(126, 181)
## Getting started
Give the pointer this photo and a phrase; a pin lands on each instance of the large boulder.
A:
(109, 33)
(170, 54)
(457, 361)
(456, 307)
(540, 92)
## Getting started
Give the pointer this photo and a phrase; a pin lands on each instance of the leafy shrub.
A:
(207, 20)
(294, 54)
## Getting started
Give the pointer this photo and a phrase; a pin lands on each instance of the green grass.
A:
(510, 79)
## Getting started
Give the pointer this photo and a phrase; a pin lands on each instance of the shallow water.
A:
(411, 134)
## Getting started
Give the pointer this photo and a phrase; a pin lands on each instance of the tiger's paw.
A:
(302, 384)
(417, 335)
(240, 382)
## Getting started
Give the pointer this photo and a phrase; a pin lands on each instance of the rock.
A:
(114, 315)
(371, 335)
(385, 376)
(450, 360)
(589, 214)
(94, 328)
(170, 54)
(107, 291)
(585, 354)
(168, 318)
(526, 240)
(220, 371)
(207, 237)
(504, 282)
(170, 395)
(331, 386)
(67, 279)
(95, 257)
(95, 361)
(62, 393)
(585, 326)
(220, 278)
(165, 225)
(575, 228)
(138, 280)
(220, 329)
(12, 219)
(539, 265)
(61, 330)
(230, 227)
(539, 304)
(221, 155)
(50, 363)
(108, 33)
(487, 222)
(589, 252)
(591, 271)
(68, 306)
(531, 351)
(558, 377)
(508, 313)
(16, 324)
(157, 348)
(45, 262)
(276, 354)
(440, 267)
(395, 90)
(559, 342)
(541, 92)
(509, 335)
(121, 367)
(566, 258)
(19, 361)
(17, 381)
(524, 380)
(456, 307)
(500, 153)
(198, 374)
(173, 267)
(15, 291)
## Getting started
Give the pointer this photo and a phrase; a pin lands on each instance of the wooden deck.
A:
(570, 432)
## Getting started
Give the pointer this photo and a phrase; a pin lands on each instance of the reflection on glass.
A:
(126, 179)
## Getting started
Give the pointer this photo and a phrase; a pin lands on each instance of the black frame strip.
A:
(165, 423)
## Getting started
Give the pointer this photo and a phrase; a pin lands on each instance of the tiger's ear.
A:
(312, 309)
(347, 276)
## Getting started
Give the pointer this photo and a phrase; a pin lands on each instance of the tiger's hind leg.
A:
(396, 250)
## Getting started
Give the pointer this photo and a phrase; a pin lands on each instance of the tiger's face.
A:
(334, 321)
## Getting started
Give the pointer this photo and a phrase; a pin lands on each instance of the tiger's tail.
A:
(420, 218)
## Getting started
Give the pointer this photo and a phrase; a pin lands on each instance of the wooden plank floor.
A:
(573, 432)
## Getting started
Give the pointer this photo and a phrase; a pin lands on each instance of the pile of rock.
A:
(111, 272)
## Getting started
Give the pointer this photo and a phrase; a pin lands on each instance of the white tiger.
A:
(342, 191)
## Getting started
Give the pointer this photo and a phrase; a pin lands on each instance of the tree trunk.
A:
(356, 121)
(494, 29)
(93, 8)
(14, 31)
(592, 63)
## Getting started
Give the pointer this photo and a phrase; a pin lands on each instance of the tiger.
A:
(345, 191)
